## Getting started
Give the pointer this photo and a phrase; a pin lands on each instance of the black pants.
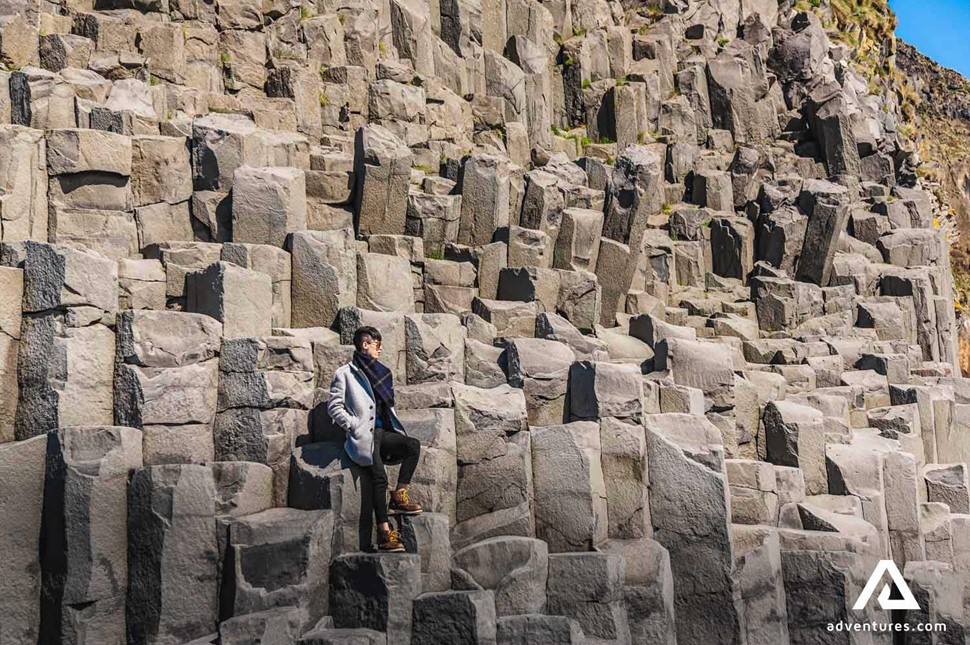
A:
(395, 448)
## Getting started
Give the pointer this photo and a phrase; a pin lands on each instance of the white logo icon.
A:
(908, 601)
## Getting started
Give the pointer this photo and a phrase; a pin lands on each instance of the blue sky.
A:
(938, 28)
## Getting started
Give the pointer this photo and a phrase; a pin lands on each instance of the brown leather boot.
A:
(401, 504)
(390, 541)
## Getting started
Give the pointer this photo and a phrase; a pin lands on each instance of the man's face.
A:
(372, 348)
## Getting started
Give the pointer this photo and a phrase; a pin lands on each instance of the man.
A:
(362, 405)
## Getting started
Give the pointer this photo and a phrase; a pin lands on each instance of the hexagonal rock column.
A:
(435, 348)
(514, 568)
(242, 300)
(947, 483)
(758, 559)
(22, 465)
(901, 476)
(84, 543)
(375, 591)
(242, 488)
(428, 535)
(268, 204)
(384, 283)
(828, 212)
(172, 554)
(706, 365)
(446, 617)
(322, 476)
(493, 448)
(794, 435)
(278, 625)
(265, 390)
(601, 389)
(324, 267)
(220, 144)
(24, 182)
(529, 629)
(279, 557)
(345, 636)
(274, 262)
(541, 368)
(623, 454)
(857, 470)
(578, 242)
(485, 185)
(89, 192)
(938, 590)
(691, 517)
(436, 477)
(648, 590)
(382, 170)
(11, 299)
(166, 382)
(570, 494)
(821, 586)
(68, 295)
(589, 588)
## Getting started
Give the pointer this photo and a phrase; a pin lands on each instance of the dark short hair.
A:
(363, 335)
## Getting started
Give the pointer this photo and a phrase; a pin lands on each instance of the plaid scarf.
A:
(381, 379)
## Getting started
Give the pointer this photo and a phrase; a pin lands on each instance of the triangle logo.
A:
(908, 601)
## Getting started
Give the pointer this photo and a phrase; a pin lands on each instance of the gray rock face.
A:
(268, 203)
(567, 466)
(794, 437)
(322, 477)
(242, 300)
(281, 625)
(681, 449)
(166, 382)
(485, 199)
(434, 484)
(22, 464)
(492, 446)
(514, 568)
(87, 473)
(324, 276)
(625, 478)
(537, 628)
(22, 167)
(69, 292)
(589, 586)
(381, 174)
(279, 558)
(827, 217)
(648, 590)
(384, 283)
(275, 263)
(173, 553)
(427, 534)
(265, 389)
(375, 591)
(11, 297)
(541, 368)
(600, 390)
(454, 616)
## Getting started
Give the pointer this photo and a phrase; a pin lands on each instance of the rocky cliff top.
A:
(943, 92)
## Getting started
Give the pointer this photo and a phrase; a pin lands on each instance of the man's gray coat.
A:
(352, 408)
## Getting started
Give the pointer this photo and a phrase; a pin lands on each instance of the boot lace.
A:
(403, 493)
(393, 536)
